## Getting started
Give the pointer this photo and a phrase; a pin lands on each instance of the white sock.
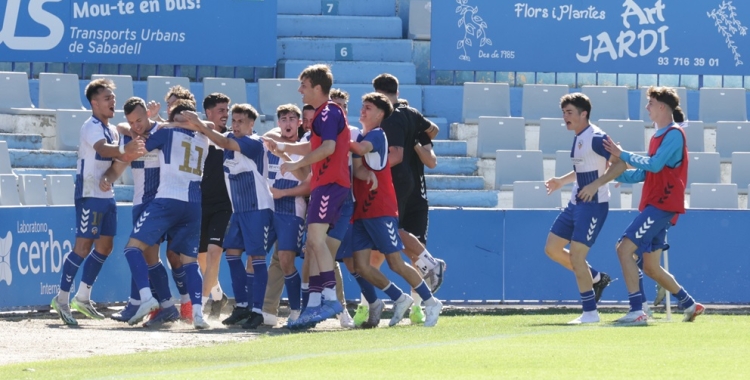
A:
(425, 261)
(417, 298)
(184, 298)
(242, 304)
(430, 302)
(597, 278)
(197, 311)
(315, 298)
(329, 294)
(216, 292)
(84, 292)
(145, 294)
(134, 301)
(204, 299)
(167, 303)
(363, 300)
(63, 297)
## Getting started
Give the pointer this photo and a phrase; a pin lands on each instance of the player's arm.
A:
(556, 183)
(614, 170)
(194, 123)
(425, 152)
(426, 125)
(112, 174)
(671, 145)
(364, 174)
(361, 148)
(321, 153)
(632, 176)
(301, 190)
(153, 108)
(132, 149)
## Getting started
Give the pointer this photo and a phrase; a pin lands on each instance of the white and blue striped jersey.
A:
(90, 165)
(246, 174)
(145, 171)
(182, 154)
(589, 162)
(285, 205)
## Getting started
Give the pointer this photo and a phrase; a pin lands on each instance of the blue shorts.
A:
(339, 229)
(376, 233)
(649, 230)
(581, 222)
(289, 231)
(251, 231)
(95, 217)
(345, 249)
(179, 220)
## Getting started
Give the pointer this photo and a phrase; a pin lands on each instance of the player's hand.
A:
(270, 145)
(373, 179)
(104, 184)
(277, 193)
(288, 167)
(191, 117)
(611, 147)
(136, 147)
(587, 193)
(153, 108)
(553, 184)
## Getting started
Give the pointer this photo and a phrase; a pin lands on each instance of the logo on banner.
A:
(40, 16)
(5, 272)
(725, 19)
(474, 28)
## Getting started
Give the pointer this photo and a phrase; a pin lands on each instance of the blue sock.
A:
(91, 267)
(69, 270)
(685, 300)
(305, 297)
(639, 262)
(593, 271)
(367, 289)
(588, 300)
(249, 282)
(393, 291)
(293, 283)
(635, 301)
(134, 293)
(423, 291)
(157, 275)
(194, 282)
(179, 280)
(238, 275)
(260, 280)
(138, 266)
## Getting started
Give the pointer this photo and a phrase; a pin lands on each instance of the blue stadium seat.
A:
(714, 195)
(542, 101)
(694, 133)
(553, 136)
(485, 99)
(60, 190)
(234, 88)
(15, 90)
(608, 102)
(31, 190)
(630, 134)
(345, 7)
(722, 104)
(275, 92)
(68, 128)
(362, 49)
(157, 89)
(420, 20)
(123, 86)
(704, 167)
(353, 72)
(741, 170)
(493, 133)
(732, 136)
(9, 190)
(517, 165)
(5, 159)
(681, 92)
(59, 91)
(338, 27)
(533, 194)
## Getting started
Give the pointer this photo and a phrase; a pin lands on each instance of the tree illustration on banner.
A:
(474, 28)
(725, 19)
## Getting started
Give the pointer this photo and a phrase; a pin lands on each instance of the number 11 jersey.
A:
(181, 157)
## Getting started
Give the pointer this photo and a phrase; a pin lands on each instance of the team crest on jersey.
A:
(580, 144)
(94, 230)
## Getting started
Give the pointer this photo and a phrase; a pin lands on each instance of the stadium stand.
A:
(732, 136)
(740, 170)
(60, 190)
(607, 102)
(563, 163)
(628, 133)
(158, 86)
(31, 190)
(419, 20)
(533, 194)
(554, 136)
(15, 93)
(59, 91)
(234, 88)
(615, 196)
(123, 86)
(695, 134)
(722, 104)
(506, 133)
(714, 195)
(9, 190)
(541, 101)
(517, 165)
(273, 92)
(4, 158)
(635, 195)
(485, 99)
(68, 128)
(704, 168)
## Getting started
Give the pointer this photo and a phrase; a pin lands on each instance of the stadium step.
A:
(338, 26)
(463, 198)
(22, 141)
(124, 193)
(466, 166)
(328, 49)
(24, 158)
(44, 172)
(450, 148)
(454, 182)
(353, 72)
(345, 7)
(445, 128)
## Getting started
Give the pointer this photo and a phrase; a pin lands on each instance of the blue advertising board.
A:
(189, 32)
(626, 36)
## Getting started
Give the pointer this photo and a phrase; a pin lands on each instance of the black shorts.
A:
(416, 221)
(213, 228)
(403, 192)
